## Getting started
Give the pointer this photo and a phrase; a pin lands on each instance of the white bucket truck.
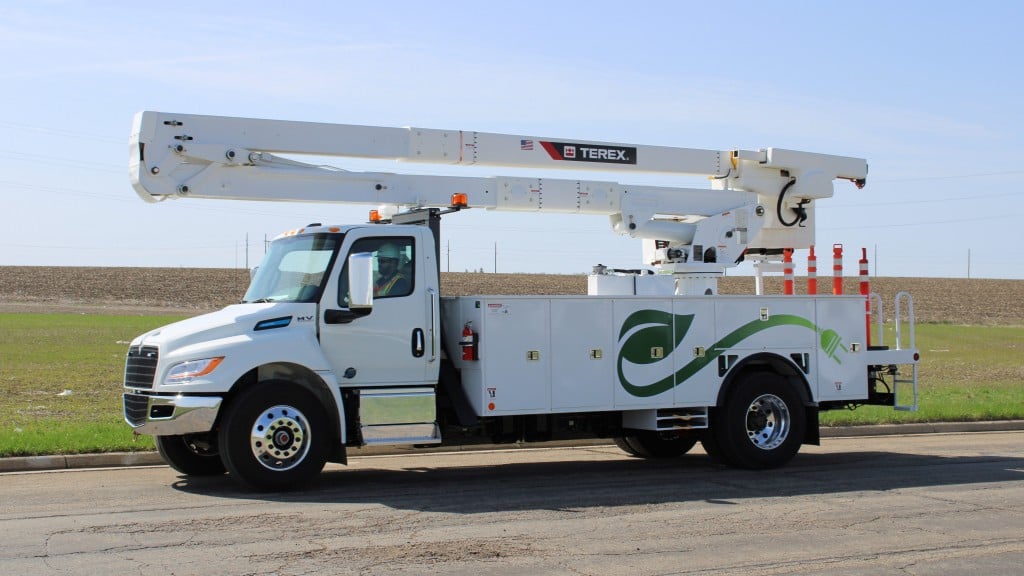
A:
(345, 340)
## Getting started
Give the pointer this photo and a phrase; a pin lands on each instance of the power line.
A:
(929, 201)
(51, 160)
(951, 176)
(911, 224)
(61, 132)
(121, 247)
(62, 190)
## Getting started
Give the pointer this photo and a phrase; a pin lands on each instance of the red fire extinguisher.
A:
(468, 342)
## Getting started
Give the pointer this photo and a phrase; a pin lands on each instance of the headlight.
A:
(192, 369)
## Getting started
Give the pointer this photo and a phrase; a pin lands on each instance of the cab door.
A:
(392, 344)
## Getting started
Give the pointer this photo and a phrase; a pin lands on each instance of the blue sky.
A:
(930, 93)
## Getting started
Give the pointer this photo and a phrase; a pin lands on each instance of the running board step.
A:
(667, 419)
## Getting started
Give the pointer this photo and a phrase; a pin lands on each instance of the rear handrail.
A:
(910, 320)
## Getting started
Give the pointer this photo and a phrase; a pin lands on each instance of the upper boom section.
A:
(758, 199)
(422, 145)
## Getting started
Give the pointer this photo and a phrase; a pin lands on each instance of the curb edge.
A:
(151, 458)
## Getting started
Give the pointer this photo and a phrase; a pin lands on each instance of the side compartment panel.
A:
(697, 379)
(582, 354)
(842, 370)
(645, 353)
(516, 354)
(765, 323)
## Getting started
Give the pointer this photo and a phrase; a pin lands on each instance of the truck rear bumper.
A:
(170, 415)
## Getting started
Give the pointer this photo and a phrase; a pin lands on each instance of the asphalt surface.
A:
(119, 459)
(924, 504)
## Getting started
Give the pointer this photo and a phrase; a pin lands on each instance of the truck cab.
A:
(333, 314)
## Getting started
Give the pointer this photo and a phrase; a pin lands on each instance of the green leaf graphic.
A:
(643, 331)
(657, 329)
(636, 349)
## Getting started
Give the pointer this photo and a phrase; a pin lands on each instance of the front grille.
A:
(140, 367)
(135, 407)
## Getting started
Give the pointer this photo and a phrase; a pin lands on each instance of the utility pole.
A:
(495, 257)
(968, 263)
(246, 250)
(449, 255)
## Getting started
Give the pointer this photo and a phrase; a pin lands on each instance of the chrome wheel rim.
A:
(768, 422)
(280, 438)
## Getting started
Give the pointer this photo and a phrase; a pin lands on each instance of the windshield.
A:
(294, 269)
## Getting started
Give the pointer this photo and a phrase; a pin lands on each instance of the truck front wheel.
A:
(761, 425)
(192, 455)
(274, 436)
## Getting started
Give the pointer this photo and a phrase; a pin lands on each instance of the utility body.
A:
(344, 338)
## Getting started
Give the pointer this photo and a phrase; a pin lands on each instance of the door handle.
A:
(432, 296)
(417, 342)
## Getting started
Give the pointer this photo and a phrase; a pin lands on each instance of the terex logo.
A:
(611, 154)
(590, 152)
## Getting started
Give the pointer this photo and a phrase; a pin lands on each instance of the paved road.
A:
(931, 504)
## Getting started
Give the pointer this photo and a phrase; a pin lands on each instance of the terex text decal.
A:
(590, 152)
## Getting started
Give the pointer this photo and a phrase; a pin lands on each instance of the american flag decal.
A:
(526, 144)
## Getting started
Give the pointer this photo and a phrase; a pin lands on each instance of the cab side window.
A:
(393, 270)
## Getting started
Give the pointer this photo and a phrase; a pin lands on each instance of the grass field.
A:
(61, 380)
(966, 373)
(61, 377)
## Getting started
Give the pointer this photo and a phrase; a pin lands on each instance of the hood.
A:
(234, 320)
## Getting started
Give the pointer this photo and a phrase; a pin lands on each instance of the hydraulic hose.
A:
(801, 215)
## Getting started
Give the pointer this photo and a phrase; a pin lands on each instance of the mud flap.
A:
(451, 388)
(812, 431)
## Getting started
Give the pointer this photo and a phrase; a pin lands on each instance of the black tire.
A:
(192, 455)
(652, 444)
(709, 441)
(274, 436)
(625, 446)
(761, 425)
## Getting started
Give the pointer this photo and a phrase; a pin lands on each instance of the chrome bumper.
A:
(170, 415)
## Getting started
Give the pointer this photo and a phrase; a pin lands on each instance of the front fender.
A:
(241, 353)
(287, 352)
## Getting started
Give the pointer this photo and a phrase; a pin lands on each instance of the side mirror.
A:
(360, 281)
(252, 272)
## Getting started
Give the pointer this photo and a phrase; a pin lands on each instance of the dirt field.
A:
(192, 291)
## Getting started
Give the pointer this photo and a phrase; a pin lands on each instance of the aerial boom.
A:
(759, 201)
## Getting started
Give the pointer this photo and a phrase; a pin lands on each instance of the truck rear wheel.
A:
(653, 444)
(192, 455)
(274, 436)
(709, 441)
(761, 425)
